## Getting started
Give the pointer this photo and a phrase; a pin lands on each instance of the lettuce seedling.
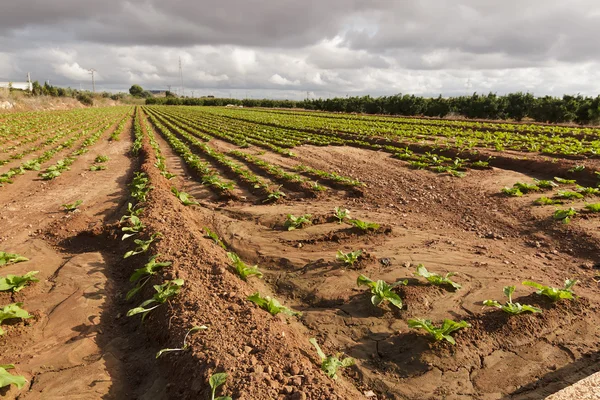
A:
(564, 181)
(564, 215)
(588, 191)
(97, 167)
(526, 187)
(569, 195)
(341, 214)
(554, 293)
(243, 270)
(163, 293)
(274, 196)
(590, 207)
(16, 283)
(437, 279)
(215, 381)
(184, 198)
(142, 245)
(185, 345)
(510, 307)
(11, 311)
(142, 275)
(271, 305)
(363, 225)
(545, 184)
(546, 201)
(382, 291)
(577, 168)
(136, 227)
(348, 258)
(514, 192)
(7, 379)
(292, 222)
(101, 159)
(72, 206)
(330, 364)
(8, 258)
(440, 333)
(213, 235)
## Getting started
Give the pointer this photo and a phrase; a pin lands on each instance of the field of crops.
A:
(181, 252)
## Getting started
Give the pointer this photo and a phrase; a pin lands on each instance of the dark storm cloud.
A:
(326, 47)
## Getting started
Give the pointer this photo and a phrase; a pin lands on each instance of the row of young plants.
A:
(242, 174)
(561, 196)
(495, 140)
(37, 125)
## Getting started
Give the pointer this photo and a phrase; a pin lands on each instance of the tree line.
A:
(578, 109)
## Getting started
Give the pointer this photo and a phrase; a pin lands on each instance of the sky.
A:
(315, 48)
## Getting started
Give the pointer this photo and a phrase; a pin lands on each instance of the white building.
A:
(16, 85)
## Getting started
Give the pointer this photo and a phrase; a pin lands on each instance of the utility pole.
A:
(92, 71)
(181, 77)
(169, 86)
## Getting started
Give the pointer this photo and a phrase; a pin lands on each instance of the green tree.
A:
(136, 91)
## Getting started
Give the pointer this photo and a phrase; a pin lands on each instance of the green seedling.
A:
(163, 293)
(341, 214)
(16, 283)
(274, 196)
(11, 258)
(437, 279)
(142, 275)
(213, 235)
(131, 212)
(331, 364)
(588, 191)
(97, 167)
(215, 381)
(554, 293)
(72, 206)
(569, 195)
(564, 181)
(526, 187)
(184, 198)
(363, 225)
(101, 159)
(140, 186)
(510, 307)
(577, 168)
(514, 192)
(271, 305)
(292, 222)
(382, 291)
(136, 227)
(185, 345)
(595, 208)
(350, 258)
(546, 201)
(564, 215)
(443, 332)
(243, 270)
(12, 311)
(545, 184)
(6, 379)
(142, 245)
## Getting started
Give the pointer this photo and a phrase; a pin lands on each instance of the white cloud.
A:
(279, 80)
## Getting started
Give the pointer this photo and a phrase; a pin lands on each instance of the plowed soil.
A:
(81, 345)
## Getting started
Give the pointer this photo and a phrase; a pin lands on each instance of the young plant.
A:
(331, 364)
(185, 345)
(554, 293)
(72, 206)
(595, 208)
(546, 201)
(443, 332)
(140, 186)
(437, 279)
(6, 379)
(132, 211)
(141, 276)
(564, 215)
(213, 235)
(514, 192)
(16, 283)
(97, 167)
(577, 168)
(243, 270)
(101, 159)
(510, 307)
(11, 258)
(382, 291)
(271, 305)
(348, 258)
(564, 181)
(569, 195)
(163, 293)
(363, 225)
(588, 191)
(274, 196)
(11, 311)
(341, 214)
(526, 187)
(136, 227)
(215, 381)
(184, 198)
(292, 222)
(142, 245)
(545, 184)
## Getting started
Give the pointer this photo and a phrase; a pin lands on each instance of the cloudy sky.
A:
(285, 48)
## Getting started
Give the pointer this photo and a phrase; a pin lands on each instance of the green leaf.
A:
(11, 311)
(6, 379)
(16, 283)
(7, 258)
